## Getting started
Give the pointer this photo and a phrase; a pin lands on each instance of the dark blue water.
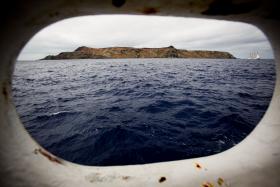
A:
(135, 111)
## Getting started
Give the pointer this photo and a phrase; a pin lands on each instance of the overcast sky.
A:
(141, 31)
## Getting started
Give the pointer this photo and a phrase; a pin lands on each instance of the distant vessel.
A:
(254, 55)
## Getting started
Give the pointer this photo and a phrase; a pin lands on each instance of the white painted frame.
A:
(253, 162)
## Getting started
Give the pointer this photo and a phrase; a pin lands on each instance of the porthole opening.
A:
(121, 90)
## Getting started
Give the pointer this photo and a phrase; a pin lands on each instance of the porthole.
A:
(167, 88)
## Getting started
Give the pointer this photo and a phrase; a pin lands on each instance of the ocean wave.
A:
(55, 115)
(124, 111)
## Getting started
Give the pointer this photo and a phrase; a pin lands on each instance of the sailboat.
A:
(254, 55)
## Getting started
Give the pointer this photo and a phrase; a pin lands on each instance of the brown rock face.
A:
(129, 52)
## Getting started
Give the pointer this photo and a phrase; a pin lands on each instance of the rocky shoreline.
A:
(129, 52)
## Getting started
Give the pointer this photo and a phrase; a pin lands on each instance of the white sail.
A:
(254, 55)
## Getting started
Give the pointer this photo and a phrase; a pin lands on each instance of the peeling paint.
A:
(98, 177)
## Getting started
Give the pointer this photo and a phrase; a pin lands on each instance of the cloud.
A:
(142, 31)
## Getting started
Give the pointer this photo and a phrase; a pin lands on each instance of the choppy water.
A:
(134, 111)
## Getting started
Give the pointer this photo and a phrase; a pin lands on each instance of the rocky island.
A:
(129, 52)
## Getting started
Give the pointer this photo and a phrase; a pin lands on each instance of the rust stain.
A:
(198, 166)
(47, 155)
(162, 179)
(220, 181)
(125, 177)
(149, 10)
(207, 184)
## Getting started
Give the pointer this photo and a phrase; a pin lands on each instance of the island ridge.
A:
(129, 52)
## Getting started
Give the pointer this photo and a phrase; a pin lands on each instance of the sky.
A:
(239, 39)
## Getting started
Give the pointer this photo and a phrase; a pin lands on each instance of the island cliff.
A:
(129, 52)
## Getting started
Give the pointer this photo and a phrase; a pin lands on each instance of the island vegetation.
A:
(129, 52)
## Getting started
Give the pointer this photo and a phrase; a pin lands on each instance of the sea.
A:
(105, 112)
